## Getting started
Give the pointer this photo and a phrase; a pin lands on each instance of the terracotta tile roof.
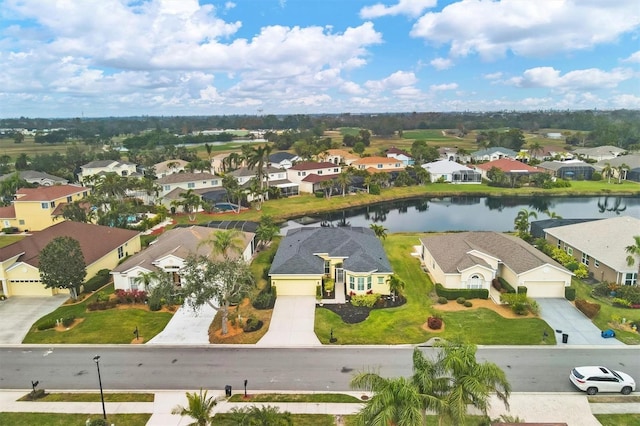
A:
(310, 165)
(8, 212)
(95, 241)
(508, 165)
(313, 178)
(394, 150)
(48, 193)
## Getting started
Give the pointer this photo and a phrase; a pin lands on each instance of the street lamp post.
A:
(97, 361)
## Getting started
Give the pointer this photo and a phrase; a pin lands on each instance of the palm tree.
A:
(258, 159)
(607, 171)
(190, 202)
(396, 285)
(379, 230)
(621, 168)
(225, 242)
(267, 415)
(146, 279)
(634, 251)
(535, 148)
(327, 187)
(552, 215)
(111, 185)
(267, 229)
(200, 408)
(343, 179)
(521, 222)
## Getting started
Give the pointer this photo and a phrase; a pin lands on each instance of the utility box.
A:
(565, 337)
(227, 390)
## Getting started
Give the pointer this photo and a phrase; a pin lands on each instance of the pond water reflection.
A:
(477, 213)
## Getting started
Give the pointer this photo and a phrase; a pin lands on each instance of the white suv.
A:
(594, 379)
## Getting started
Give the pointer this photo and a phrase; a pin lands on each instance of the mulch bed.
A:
(354, 314)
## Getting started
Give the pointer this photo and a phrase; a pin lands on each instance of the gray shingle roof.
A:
(360, 248)
(451, 251)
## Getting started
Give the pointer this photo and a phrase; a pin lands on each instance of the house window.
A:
(133, 283)
(379, 166)
(167, 187)
(352, 285)
(191, 185)
(630, 278)
(44, 205)
(327, 267)
(84, 194)
(569, 251)
(369, 283)
(214, 183)
(335, 170)
(53, 204)
(380, 280)
(20, 222)
(596, 263)
(319, 172)
(360, 283)
(559, 244)
(585, 259)
(120, 252)
(69, 199)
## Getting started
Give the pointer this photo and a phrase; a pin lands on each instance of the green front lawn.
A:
(55, 419)
(104, 327)
(227, 419)
(618, 419)
(404, 324)
(93, 397)
(296, 397)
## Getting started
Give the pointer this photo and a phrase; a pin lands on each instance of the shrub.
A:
(101, 306)
(252, 324)
(461, 300)
(468, 304)
(505, 285)
(34, 395)
(589, 309)
(495, 283)
(329, 285)
(318, 292)
(374, 189)
(67, 321)
(319, 194)
(622, 303)
(442, 300)
(368, 300)
(130, 296)
(102, 297)
(570, 293)
(101, 278)
(520, 304)
(522, 289)
(46, 325)
(98, 422)
(601, 290)
(581, 271)
(454, 293)
(630, 293)
(155, 302)
(265, 299)
(434, 323)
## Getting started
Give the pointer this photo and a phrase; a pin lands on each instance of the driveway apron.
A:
(565, 318)
(18, 313)
(186, 327)
(292, 323)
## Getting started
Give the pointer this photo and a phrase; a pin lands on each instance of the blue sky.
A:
(94, 58)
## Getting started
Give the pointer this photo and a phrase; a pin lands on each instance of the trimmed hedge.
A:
(455, 293)
(570, 293)
(46, 325)
(265, 299)
(101, 278)
(589, 309)
(504, 284)
(522, 289)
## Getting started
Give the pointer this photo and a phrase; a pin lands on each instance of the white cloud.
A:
(627, 101)
(441, 63)
(443, 87)
(396, 80)
(526, 28)
(229, 5)
(593, 78)
(493, 76)
(634, 57)
(411, 8)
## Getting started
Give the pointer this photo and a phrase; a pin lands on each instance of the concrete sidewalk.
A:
(571, 408)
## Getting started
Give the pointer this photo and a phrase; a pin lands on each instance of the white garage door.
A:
(545, 288)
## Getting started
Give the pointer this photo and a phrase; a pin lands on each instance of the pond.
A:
(476, 213)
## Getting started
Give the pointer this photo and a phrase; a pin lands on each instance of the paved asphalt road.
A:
(529, 369)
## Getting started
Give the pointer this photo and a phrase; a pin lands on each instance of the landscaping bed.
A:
(351, 314)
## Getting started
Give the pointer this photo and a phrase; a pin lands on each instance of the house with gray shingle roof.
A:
(471, 260)
(493, 153)
(168, 253)
(352, 256)
(601, 246)
(36, 177)
(599, 153)
(102, 167)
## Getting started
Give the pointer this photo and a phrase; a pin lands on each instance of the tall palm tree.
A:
(535, 148)
(259, 159)
(190, 202)
(396, 285)
(225, 242)
(199, 408)
(521, 222)
(379, 230)
(343, 179)
(607, 171)
(633, 251)
(620, 169)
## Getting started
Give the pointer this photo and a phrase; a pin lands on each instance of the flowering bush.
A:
(130, 296)
(434, 323)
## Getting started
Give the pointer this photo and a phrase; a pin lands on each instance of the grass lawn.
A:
(104, 327)
(295, 397)
(404, 324)
(55, 419)
(226, 419)
(93, 397)
(618, 419)
(608, 313)
(29, 147)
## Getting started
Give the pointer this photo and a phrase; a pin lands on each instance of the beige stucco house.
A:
(308, 174)
(469, 260)
(102, 246)
(102, 167)
(352, 256)
(379, 164)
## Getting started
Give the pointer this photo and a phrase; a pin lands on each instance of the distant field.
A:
(349, 131)
(427, 134)
(29, 147)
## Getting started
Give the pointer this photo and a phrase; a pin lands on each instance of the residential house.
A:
(273, 177)
(538, 227)
(283, 159)
(569, 170)
(600, 245)
(453, 154)
(452, 172)
(471, 260)
(352, 256)
(169, 167)
(379, 164)
(168, 253)
(37, 178)
(38, 208)
(551, 152)
(102, 248)
(401, 155)
(553, 135)
(492, 154)
(631, 161)
(309, 174)
(217, 163)
(512, 168)
(102, 167)
(188, 181)
(599, 153)
(339, 156)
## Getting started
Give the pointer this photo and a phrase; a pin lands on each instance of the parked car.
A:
(594, 379)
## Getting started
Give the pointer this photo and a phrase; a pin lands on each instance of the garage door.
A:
(295, 287)
(28, 289)
(545, 288)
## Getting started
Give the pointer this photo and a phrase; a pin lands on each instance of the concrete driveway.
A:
(186, 327)
(292, 323)
(18, 313)
(561, 315)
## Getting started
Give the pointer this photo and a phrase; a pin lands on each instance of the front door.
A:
(339, 275)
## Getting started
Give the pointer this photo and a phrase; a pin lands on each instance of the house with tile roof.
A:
(102, 247)
(600, 246)
(309, 174)
(352, 256)
(169, 167)
(471, 260)
(37, 178)
(34, 209)
(451, 172)
(102, 167)
(338, 156)
(493, 153)
(401, 155)
(512, 168)
(379, 164)
(168, 253)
